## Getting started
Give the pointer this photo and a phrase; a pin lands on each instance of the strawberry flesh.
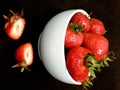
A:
(14, 26)
(24, 55)
(24, 52)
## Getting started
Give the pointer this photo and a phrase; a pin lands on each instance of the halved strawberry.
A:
(74, 36)
(81, 20)
(24, 56)
(14, 25)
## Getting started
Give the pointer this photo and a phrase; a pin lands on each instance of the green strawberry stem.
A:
(76, 28)
(90, 14)
(87, 84)
(12, 12)
(22, 12)
(23, 66)
(95, 66)
(5, 17)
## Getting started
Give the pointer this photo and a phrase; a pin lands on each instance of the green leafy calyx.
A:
(76, 28)
(95, 66)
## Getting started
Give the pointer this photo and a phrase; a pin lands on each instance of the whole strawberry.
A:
(24, 56)
(14, 25)
(81, 20)
(97, 44)
(97, 26)
(74, 36)
(75, 63)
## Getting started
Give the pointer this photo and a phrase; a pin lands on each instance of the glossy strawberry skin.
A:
(97, 44)
(24, 53)
(81, 20)
(73, 38)
(75, 63)
(14, 26)
(97, 26)
(82, 76)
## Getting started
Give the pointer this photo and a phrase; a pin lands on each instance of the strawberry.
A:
(82, 76)
(81, 20)
(97, 44)
(14, 25)
(97, 26)
(75, 63)
(73, 37)
(24, 56)
(82, 66)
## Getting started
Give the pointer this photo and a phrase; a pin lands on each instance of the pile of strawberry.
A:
(87, 49)
(14, 28)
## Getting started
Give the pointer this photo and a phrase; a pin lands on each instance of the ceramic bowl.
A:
(51, 46)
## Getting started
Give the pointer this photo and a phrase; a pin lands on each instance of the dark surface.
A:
(37, 13)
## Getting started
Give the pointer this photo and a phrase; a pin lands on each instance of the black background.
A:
(37, 13)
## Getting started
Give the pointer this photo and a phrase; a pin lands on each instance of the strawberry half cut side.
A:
(24, 56)
(14, 25)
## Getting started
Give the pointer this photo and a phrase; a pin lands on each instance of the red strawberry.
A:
(97, 44)
(75, 63)
(14, 26)
(24, 56)
(81, 20)
(82, 76)
(73, 37)
(97, 26)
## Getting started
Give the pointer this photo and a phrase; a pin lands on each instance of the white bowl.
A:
(51, 46)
